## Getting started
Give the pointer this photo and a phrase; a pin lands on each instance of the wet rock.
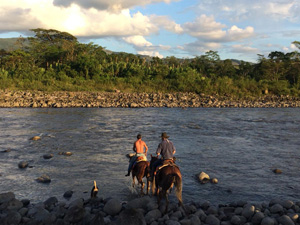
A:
(12, 217)
(65, 153)
(257, 218)
(44, 179)
(112, 207)
(98, 219)
(68, 194)
(214, 180)
(248, 211)
(203, 177)
(50, 203)
(35, 138)
(23, 164)
(140, 203)
(75, 212)
(14, 204)
(287, 204)
(48, 156)
(277, 171)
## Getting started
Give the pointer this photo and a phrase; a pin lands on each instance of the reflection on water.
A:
(240, 147)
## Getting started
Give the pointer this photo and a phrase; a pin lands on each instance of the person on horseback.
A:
(166, 149)
(140, 148)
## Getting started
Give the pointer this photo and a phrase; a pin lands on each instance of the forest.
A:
(52, 60)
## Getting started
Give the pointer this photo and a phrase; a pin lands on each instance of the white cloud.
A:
(166, 23)
(205, 28)
(111, 5)
(244, 49)
(138, 41)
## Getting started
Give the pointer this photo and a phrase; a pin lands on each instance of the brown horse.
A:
(140, 170)
(168, 176)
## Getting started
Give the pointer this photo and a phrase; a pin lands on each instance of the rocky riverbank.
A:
(36, 99)
(142, 211)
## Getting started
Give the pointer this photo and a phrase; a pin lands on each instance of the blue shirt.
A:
(166, 149)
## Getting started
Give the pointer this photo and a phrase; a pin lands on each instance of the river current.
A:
(238, 146)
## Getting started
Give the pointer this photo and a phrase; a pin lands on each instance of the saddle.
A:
(166, 162)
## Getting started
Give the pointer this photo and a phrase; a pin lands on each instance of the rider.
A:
(166, 149)
(141, 149)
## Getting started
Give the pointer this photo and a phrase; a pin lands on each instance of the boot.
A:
(128, 174)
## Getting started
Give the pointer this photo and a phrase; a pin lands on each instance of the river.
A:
(238, 146)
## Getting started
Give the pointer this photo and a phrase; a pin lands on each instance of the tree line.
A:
(52, 60)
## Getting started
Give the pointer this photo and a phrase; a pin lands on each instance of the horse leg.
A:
(167, 202)
(133, 181)
(148, 186)
(142, 188)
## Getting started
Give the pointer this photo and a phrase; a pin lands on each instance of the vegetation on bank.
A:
(56, 61)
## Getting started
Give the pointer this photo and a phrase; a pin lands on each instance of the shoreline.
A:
(144, 210)
(66, 99)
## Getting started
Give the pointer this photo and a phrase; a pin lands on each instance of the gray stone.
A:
(12, 217)
(112, 207)
(257, 218)
(285, 220)
(212, 210)
(74, 214)
(44, 179)
(23, 164)
(195, 220)
(212, 220)
(14, 205)
(185, 222)
(68, 194)
(235, 220)
(50, 203)
(23, 211)
(276, 208)
(172, 222)
(139, 203)
(275, 201)
(152, 216)
(248, 211)
(77, 202)
(238, 211)
(287, 204)
(177, 215)
(48, 156)
(131, 217)
(268, 221)
(98, 219)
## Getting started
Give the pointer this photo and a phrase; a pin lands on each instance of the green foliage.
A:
(54, 60)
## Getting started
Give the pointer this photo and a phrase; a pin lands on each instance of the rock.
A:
(203, 177)
(268, 221)
(35, 138)
(65, 153)
(75, 212)
(287, 204)
(214, 180)
(212, 220)
(44, 179)
(68, 194)
(25, 202)
(12, 217)
(139, 203)
(6, 197)
(48, 156)
(98, 219)
(152, 216)
(50, 203)
(277, 171)
(14, 204)
(277, 208)
(235, 220)
(131, 216)
(257, 218)
(248, 211)
(285, 220)
(23, 164)
(112, 207)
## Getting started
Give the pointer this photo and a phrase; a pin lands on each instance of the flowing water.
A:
(240, 147)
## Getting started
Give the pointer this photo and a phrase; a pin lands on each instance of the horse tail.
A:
(178, 185)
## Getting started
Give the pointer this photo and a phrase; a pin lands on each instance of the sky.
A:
(236, 29)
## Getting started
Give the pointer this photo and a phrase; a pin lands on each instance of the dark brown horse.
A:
(164, 180)
(140, 170)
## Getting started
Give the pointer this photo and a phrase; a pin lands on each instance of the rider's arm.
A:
(134, 148)
(146, 148)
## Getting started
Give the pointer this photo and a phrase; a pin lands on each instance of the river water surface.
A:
(240, 147)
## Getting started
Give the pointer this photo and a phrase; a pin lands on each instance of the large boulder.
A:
(131, 217)
(112, 207)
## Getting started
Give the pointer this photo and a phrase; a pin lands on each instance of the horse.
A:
(140, 170)
(163, 182)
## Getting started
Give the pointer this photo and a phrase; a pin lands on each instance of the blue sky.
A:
(238, 29)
